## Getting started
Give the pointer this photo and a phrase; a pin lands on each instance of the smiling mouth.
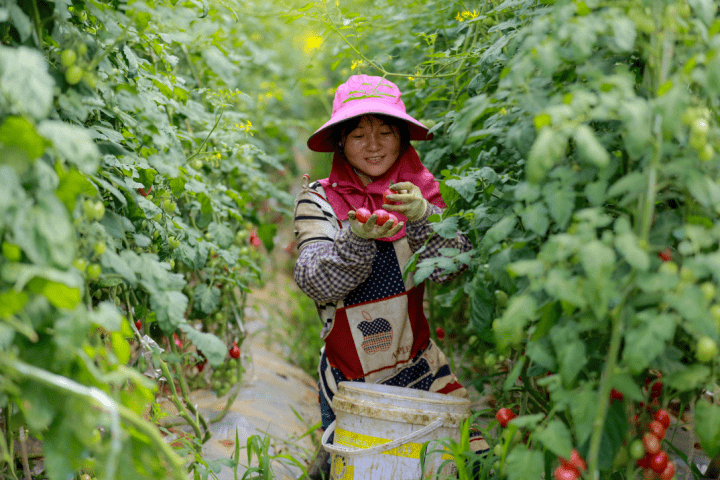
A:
(374, 159)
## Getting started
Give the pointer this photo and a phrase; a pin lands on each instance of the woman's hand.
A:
(412, 204)
(369, 230)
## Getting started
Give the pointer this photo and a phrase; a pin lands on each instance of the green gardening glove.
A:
(410, 199)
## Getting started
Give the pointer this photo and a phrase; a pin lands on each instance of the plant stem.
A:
(182, 411)
(217, 122)
(604, 392)
(38, 25)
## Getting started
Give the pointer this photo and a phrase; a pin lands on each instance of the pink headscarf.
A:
(345, 190)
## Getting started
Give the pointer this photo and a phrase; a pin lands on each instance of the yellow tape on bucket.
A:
(358, 440)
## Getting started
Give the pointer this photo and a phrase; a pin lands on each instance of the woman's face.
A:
(373, 146)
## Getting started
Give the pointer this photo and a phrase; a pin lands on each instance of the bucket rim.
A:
(402, 393)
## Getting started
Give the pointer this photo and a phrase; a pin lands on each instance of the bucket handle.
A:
(349, 452)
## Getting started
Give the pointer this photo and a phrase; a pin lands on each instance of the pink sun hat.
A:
(362, 95)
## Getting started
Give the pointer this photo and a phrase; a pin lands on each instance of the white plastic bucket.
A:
(380, 431)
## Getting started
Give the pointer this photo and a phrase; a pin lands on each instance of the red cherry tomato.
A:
(178, 343)
(138, 324)
(362, 214)
(657, 429)
(235, 350)
(669, 471)
(385, 199)
(504, 415)
(615, 395)
(644, 462)
(440, 332)
(658, 462)
(651, 443)
(665, 255)
(382, 216)
(576, 462)
(663, 417)
(656, 389)
(564, 473)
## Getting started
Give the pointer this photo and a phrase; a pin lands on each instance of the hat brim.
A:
(320, 140)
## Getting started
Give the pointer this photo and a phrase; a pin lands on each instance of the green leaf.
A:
(509, 328)
(446, 228)
(481, 305)
(11, 302)
(629, 247)
(26, 87)
(597, 259)
(589, 148)
(625, 384)
(556, 438)
(266, 232)
(60, 295)
(535, 218)
(498, 232)
(19, 132)
(223, 236)
(547, 150)
(561, 202)
(107, 316)
(72, 184)
(707, 426)
(169, 308)
(524, 464)
(206, 211)
(74, 144)
(645, 341)
(206, 297)
(688, 379)
(582, 408)
(624, 33)
(212, 347)
(466, 186)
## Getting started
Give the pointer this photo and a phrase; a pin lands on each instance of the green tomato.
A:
(715, 312)
(196, 164)
(668, 267)
(687, 275)
(637, 449)
(501, 298)
(98, 210)
(172, 263)
(706, 350)
(100, 248)
(240, 237)
(73, 75)
(706, 153)
(173, 242)
(708, 291)
(93, 271)
(158, 217)
(168, 205)
(80, 264)
(67, 58)
(11, 252)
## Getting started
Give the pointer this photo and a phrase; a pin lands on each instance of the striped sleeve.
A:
(315, 220)
(420, 233)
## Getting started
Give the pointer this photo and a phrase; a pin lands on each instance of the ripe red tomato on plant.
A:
(504, 415)
(665, 255)
(576, 462)
(235, 350)
(178, 342)
(657, 429)
(615, 395)
(669, 471)
(362, 214)
(564, 473)
(138, 324)
(440, 332)
(663, 417)
(651, 443)
(658, 462)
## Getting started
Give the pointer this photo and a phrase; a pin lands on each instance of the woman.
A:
(374, 327)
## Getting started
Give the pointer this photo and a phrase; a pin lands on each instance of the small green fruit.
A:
(68, 58)
(706, 350)
(73, 75)
(99, 248)
(93, 271)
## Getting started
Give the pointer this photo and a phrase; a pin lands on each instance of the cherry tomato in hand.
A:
(362, 214)
(382, 216)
